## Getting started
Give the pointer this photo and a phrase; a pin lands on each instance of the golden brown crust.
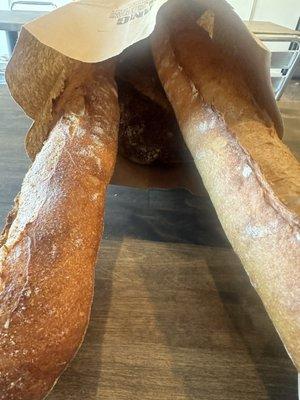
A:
(47, 260)
(261, 228)
(220, 80)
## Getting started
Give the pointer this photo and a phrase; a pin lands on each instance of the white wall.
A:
(242, 7)
(282, 12)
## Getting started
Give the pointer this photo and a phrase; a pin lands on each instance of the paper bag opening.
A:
(49, 48)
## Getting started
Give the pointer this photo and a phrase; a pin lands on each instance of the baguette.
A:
(49, 245)
(250, 175)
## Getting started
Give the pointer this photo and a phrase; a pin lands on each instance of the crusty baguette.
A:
(251, 176)
(50, 243)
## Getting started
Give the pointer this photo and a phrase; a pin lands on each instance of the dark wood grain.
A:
(176, 321)
(174, 315)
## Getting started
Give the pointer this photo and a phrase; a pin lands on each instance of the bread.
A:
(148, 134)
(250, 175)
(49, 245)
(148, 131)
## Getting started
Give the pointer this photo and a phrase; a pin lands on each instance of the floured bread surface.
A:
(251, 177)
(219, 80)
(50, 243)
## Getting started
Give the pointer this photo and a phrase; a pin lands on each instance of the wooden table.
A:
(174, 314)
(12, 21)
(269, 28)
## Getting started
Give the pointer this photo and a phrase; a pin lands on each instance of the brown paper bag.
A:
(49, 47)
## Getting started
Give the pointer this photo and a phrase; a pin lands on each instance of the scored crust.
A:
(50, 243)
(251, 177)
